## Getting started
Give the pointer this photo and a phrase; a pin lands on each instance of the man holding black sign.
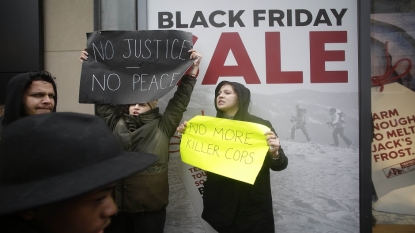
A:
(142, 198)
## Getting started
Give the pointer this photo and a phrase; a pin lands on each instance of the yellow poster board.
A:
(235, 149)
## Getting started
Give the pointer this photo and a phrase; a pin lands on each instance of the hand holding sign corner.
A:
(235, 149)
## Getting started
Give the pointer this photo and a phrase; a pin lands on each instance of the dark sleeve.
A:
(177, 106)
(1, 126)
(282, 162)
(109, 113)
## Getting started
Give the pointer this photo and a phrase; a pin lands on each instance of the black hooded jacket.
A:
(15, 224)
(14, 97)
(235, 206)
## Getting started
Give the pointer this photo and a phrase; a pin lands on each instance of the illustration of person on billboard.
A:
(299, 122)
(338, 123)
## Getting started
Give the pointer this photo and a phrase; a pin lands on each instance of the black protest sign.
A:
(126, 67)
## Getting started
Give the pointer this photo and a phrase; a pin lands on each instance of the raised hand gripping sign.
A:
(393, 148)
(235, 149)
(126, 66)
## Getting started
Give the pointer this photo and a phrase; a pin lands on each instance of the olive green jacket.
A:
(149, 132)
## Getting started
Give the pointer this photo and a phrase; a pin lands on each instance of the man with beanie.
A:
(29, 94)
(143, 197)
(57, 173)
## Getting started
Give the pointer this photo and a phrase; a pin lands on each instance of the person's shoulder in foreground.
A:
(57, 172)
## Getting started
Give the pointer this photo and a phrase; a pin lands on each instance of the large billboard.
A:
(300, 60)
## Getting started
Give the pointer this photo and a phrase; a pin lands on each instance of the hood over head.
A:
(15, 90)
(244, 98)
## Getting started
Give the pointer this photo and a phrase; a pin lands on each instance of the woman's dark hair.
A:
(226, 83)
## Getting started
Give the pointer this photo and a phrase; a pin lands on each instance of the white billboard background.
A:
(319, 190)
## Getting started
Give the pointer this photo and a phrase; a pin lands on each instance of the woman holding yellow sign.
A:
(230, 205)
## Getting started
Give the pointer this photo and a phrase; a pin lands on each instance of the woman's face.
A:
(227, 100)
(137, 109)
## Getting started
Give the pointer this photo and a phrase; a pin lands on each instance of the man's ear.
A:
(28, 214)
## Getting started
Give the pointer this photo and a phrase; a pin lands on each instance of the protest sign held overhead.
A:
(235, 149)
(125, 66)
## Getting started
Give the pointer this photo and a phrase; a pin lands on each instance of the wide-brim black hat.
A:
(56, 156)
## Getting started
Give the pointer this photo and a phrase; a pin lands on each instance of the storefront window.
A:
(392, 71)
(115, 15)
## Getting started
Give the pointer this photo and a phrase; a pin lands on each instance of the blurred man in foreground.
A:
(57, 173)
